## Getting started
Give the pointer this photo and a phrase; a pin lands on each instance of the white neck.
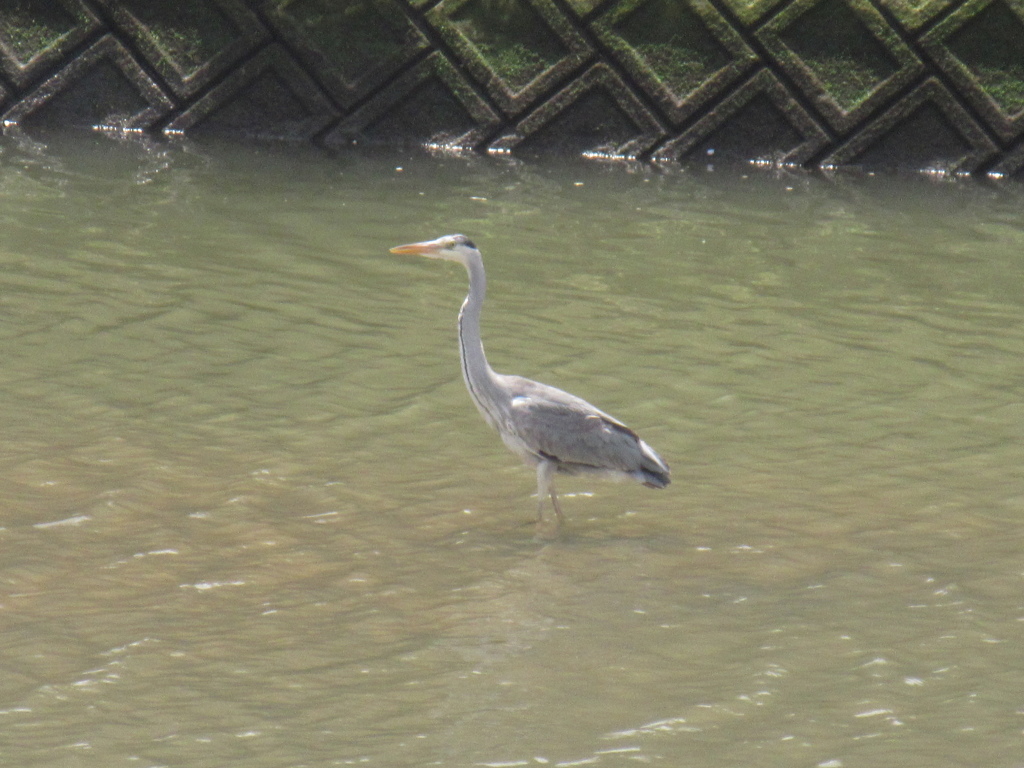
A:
(481, 380)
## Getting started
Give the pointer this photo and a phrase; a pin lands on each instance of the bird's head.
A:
(450, 247)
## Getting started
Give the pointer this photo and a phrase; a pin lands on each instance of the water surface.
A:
(251, 517)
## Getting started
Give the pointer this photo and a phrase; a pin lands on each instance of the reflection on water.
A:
(251, 516)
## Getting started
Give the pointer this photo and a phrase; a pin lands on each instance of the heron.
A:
(551, 430)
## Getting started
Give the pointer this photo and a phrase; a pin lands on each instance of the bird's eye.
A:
(468, 243)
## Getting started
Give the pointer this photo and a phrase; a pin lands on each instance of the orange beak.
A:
(428, 248)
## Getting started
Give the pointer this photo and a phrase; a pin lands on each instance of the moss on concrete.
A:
(31, 27)
(848, 60)
(991, 46)
(354, 35)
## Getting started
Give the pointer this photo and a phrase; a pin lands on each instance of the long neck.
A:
(481, 381)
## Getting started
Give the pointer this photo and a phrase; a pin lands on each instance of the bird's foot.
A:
(547, 530)
(548, 527)
(544, 529)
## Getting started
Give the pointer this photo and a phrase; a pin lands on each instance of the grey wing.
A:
(579, 437)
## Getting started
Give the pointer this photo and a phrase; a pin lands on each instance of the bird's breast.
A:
(519, 447)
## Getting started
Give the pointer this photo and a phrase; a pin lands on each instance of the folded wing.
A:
(579, 437)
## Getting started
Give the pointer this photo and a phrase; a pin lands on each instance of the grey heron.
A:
(551, 430)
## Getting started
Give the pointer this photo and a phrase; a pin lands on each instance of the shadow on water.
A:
(251, 515)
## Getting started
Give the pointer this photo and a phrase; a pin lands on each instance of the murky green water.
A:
(251, 517)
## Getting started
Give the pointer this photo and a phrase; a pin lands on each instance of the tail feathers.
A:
(652, 479)
(653, 472)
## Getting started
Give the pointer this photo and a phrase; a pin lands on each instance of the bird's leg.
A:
(554, 503)
(545, 488)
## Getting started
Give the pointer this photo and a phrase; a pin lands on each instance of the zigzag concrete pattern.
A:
(933, 85)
